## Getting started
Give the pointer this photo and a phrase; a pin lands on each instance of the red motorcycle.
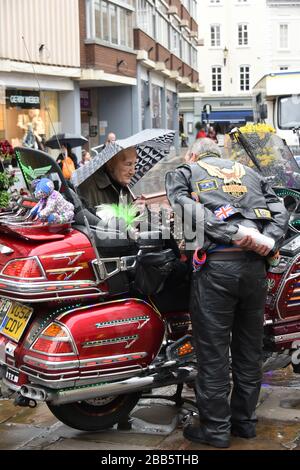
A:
(76, 333)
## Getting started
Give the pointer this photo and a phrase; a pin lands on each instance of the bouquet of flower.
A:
(7, 178)
(6, 151)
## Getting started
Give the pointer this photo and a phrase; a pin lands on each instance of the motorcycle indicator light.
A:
(54, 341)
(185, 349)
(54, 330)
(26, 268)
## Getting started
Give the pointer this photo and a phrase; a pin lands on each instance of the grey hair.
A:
(205, 146)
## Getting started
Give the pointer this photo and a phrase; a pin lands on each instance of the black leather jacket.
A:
(224, 187)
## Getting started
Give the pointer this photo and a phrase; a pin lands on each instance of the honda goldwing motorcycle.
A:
(85, 325)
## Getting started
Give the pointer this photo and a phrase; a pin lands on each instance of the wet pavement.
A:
(156, 424)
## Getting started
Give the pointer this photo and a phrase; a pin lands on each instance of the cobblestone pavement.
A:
(156, 424)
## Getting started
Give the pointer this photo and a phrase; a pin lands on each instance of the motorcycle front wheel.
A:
(96, 414)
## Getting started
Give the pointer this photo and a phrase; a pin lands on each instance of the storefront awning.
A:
(232, 116)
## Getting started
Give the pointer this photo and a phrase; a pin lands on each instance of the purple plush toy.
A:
(52, 207)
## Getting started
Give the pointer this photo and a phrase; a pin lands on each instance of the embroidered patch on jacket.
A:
(232, 177)
(235, 190)
(207, 185)
(195, 197)
(263, 213)
(224, 212)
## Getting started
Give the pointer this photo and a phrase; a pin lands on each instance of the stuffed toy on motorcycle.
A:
(52, 207)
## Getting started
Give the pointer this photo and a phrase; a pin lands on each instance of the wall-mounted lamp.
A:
(225, 55)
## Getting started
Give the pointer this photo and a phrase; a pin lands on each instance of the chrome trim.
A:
(36, 258)
(122, 264)
(40, 286)
(288, 336)
(80, 380)
(85, 307)
(284, 281)
(106, 358)
(25, 290)
(94, 391)
(53, 298)
(76, 255)
(125, 321)
(129, 340)
(55, 365)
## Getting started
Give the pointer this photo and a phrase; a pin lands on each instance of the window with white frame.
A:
(215, 35)
(216, 77)
(244, 78)
(215, 2)
(243, 34)
(162, 25)
(242, 1)
(145, 17)
(283, 36)
(283, 67)
(175, 37)
(113, 23)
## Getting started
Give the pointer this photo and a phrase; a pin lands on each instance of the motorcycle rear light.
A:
(27, 268)
(54, 340)
(52, 347)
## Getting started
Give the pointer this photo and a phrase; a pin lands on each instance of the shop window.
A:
(20, 116)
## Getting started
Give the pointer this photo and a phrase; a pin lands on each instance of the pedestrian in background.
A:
(111, 138)
(85, 157)
(67, 161)
(229, 288)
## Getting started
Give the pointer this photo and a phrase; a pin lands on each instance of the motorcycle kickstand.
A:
(177, 398)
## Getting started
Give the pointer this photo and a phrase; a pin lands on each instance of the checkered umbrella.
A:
(151, 146)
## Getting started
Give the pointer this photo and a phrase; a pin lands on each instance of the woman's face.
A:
(122, 167)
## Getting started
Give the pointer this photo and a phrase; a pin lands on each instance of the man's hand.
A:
(248, 243)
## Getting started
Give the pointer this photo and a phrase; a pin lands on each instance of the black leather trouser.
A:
(227, 309)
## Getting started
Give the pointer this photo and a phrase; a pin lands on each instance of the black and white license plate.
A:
(12, 375)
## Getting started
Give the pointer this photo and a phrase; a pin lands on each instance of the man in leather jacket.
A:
(228, 293)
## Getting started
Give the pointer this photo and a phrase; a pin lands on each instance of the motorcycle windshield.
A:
(35, 164)
(267, 154)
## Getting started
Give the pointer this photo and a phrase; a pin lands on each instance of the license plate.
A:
(15, 317)
(12, 376)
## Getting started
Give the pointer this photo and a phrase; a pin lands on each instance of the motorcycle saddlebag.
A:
(152, 270)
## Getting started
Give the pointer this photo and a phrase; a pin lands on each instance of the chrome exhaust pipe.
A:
(85, 393)
(33, 393)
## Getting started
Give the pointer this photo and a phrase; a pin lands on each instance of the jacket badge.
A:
(224, 212)
(232, 177)
(207, 185)
(263, 214)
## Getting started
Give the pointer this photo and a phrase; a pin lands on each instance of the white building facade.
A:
(243, 40)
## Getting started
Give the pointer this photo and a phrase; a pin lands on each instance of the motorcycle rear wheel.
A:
(95, 415)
